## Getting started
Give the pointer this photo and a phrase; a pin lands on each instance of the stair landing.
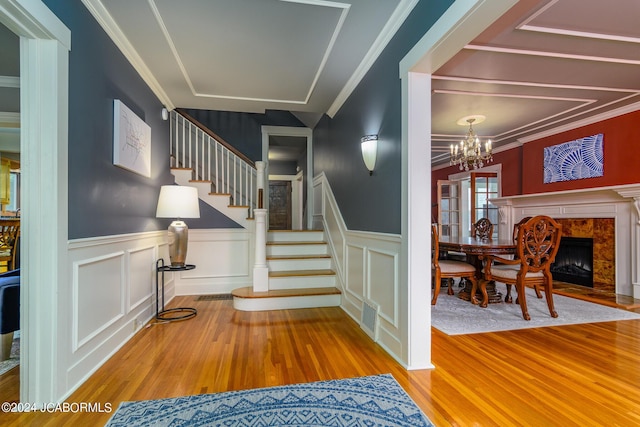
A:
(245, 299)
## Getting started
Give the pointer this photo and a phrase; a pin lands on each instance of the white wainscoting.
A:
(223, 260)
(111, 291)
(366, 264)
(111, 295)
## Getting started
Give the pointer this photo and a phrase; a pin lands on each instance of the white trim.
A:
(460, 24)
(547, 54)
(44, 51)
(110, 27)
(401, 12)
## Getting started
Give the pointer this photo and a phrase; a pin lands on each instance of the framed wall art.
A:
(578, 159)
(131, 140)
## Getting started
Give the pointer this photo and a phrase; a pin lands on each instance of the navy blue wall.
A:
(105, 199)
(372, 203)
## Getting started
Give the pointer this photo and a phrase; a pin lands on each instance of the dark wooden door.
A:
(280, 205)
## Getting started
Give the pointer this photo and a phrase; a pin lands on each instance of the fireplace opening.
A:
(574, 261)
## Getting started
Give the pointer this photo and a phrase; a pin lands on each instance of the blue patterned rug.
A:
(365, 401)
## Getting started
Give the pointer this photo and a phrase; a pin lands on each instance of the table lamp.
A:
(178, 201)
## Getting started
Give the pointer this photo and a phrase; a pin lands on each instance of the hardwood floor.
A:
(582, 375)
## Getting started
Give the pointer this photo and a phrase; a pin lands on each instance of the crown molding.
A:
(580, 123)
(108, 24)
(393, 24)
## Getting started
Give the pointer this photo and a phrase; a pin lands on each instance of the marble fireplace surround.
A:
(621, 203)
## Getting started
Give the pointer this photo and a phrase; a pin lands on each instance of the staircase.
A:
(300, 274)
(297, 263)
(224, 177)
(219, 201)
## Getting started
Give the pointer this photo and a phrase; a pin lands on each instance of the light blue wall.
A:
(372, 203)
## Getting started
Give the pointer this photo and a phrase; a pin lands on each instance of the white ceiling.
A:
(545, 66)
(302, 56)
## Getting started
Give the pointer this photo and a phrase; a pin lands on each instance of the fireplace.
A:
(574, 261)
(608, 215)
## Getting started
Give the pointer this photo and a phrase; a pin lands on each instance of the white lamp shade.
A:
(178, 201)
(369, 152)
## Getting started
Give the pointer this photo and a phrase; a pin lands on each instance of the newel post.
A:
(260, 268)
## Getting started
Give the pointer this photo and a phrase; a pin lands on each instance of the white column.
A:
(260, 268)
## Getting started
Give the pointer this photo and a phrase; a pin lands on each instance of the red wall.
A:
(511, 176)
(621, 156)
(522, 167)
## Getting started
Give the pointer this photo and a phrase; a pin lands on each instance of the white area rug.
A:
(454, 316)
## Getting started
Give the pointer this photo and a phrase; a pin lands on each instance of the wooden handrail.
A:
(209, 132)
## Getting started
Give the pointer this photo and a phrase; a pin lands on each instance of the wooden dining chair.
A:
(447, 269)
(482, 229)
(537, 244)
(536, 287)
(9, 237)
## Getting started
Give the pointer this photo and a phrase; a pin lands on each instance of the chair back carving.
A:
(537, 243)
(516, 227)
(435, 246)
(9, 235)
(482, 229)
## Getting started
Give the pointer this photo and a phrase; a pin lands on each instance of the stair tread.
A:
(297, 243)
(279, 293)
(310, 256)
(294, 273)
(296, 231)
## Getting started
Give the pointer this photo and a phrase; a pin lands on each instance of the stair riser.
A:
(284, 303)
(319, 249)
(299, 264)
(296, 236)
(302, 282)
(203, 187)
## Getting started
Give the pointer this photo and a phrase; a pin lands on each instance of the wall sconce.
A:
(369, 147)
(165, 114)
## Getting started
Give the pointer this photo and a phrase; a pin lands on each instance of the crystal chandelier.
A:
(469, 153)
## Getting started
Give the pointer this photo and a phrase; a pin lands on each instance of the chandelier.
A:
(469, 152)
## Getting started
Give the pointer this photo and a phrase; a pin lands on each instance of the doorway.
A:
(279, 205)
(290, 169)
(45, 43)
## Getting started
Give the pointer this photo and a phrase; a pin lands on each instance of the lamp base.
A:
(178, 239)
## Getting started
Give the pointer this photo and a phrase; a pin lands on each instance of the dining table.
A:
(475, 250)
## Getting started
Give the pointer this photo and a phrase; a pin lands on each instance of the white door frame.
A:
(268, 131)
(44, 57)
(461, 23)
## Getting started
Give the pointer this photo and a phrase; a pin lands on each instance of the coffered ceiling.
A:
(542, 67)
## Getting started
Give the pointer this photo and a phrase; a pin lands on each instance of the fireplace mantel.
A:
(622, 203)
